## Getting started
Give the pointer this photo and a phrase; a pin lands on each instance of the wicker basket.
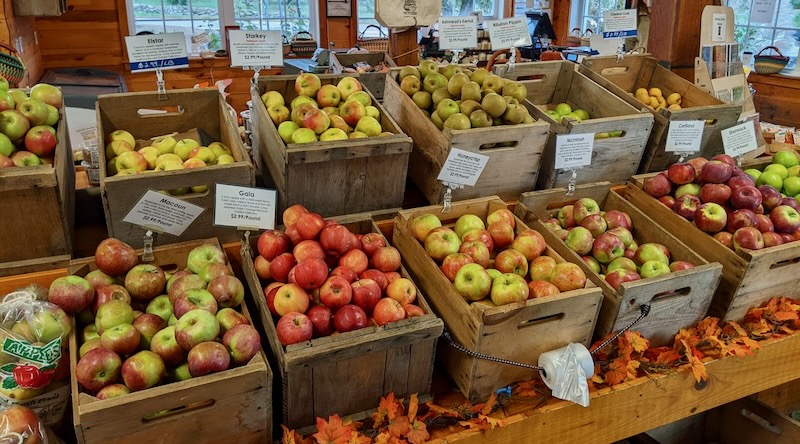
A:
(11, 66)
(770, 64)
(303, 46)
(287, 47)
(373, 43)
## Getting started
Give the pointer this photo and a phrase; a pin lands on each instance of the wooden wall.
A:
(12, 28)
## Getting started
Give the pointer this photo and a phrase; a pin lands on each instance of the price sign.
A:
(619, 24)
(719, 30)
(256, 48)
(463, 167)
(574, 150)
(509, 33)
(161, 213)
(157, 51)
(685, 136)
(245, 207)
(458, 32)
(740, 139)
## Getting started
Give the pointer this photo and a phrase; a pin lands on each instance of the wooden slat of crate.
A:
(38, 208)
(676, 300)
(519, 331)
(749, 277)
(614, 159)
(397, 357)
(510, 171)
(642, 71)
(204, 109)
(330, 178)
(234, 405)
(374, 81)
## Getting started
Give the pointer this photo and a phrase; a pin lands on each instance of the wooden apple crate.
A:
(348, 373)
(38, 210)
(374, 81)
(614, 159)
(623, 78)
(515, 151)
(230, 406)
(335, 177)
(182, 111)
(676, 300)
(749, 277)
(518, 332)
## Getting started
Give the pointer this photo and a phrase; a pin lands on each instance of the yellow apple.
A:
(165, 145)
(150, 154)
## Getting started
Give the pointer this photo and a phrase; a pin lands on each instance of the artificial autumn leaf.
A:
(441, 410)
(784, 316)
(413, 405)
(698, 368)
(637, 341)
(292, 437)
(597, 378)
(482, 425)
(493, 422)
(386, 438)
(399, 426)
(489, 406)
(527, 389)
(357, 438)
(418, 433)
(669, 357)
(708, 326)
(632, 370)
(388, 408)
(616, 371)
(332, 431)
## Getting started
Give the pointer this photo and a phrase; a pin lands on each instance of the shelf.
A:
(640, 405)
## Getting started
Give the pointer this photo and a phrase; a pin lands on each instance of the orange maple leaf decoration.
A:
(332, 431)
(418, 433)
(637, 341)
(399, 426)
(413, 406)
(292, 437)
(616, 371)
(388, 408)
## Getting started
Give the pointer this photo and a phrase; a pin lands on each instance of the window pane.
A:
(250, 25)
(786, 41)
(273, 8)
(205, 9)
(591, 23)
(759, 38)
(147, 9)
(176, 9)
(592, 8)
(184, 26)
(156, 27)
(741, 11)
(789, 14)
(245, 8)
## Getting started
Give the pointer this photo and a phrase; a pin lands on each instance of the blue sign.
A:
(619, 34)
(181, 62)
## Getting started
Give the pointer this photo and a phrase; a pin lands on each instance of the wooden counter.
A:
(776, 98)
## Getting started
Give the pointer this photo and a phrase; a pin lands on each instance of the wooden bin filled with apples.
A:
(376, 358)
(678, 291)
(328, 171)
(36, 174)
(230, 405)
(514, 148)
(749, 276)
(142, 119)
(620, 131)
(627, 76)
(539, 318)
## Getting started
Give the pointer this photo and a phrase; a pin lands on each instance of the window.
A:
(589, 13)
(782, 30)
(466, 7)
(196, 16)
(366, 17)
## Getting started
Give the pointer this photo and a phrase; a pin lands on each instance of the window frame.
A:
(773, 27)
(578, 14)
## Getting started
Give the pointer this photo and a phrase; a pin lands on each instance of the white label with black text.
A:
(256, 48)
(574, 150)
(162, 213)
(244, 207)
(509, 33)
(719, 30)
(619, 23)
(685, 136)
(463, 167)
(740, 139)
(157, 51)
(458, 32)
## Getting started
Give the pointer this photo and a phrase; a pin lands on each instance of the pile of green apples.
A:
(456, 98)
(783, 174)
(28, 123)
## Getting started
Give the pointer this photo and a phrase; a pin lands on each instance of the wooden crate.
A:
(623, 78)
(372, 361)
(374, 81)
(330, 178)
(233, 405)
(614, 159)
(676, 300)
(514, 151)
(187, 109)
(38, 207)
(749, 277)
(519, 331)
(761, 418)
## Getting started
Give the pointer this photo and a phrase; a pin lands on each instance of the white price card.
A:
(509, 33)
(619, 23)
(685, 136)
(762, 11)
(161, 213)
(740, 139)
(157, 51)
(256, 48)
(463, 167)
(245, 207)
(574, 150)
(458, 32)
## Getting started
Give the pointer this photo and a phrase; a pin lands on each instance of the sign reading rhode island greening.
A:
(509, 33)
(157, 51)
(255, 48)
(458, 32)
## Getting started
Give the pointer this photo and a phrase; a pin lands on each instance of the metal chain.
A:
(474, 354)
(645, 311)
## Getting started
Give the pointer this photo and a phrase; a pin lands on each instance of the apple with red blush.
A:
(746, 198)
(716, 171)
(749, 238)
(686, 206)
(321, 319)
(718, 193)
(740, 219)
(681, 172)
(771, 239)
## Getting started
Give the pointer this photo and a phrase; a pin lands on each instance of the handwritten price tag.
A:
(159, 51)
(164, 214)
(245, 207)
(574, 150)
(256, 48)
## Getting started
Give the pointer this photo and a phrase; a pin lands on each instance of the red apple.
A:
(771, 239)
(308, 249)
(568, 276)
(184, 284)
(72, 293)
(311, 273)
(686, 206)
(657, 186)
(229, 318)
(531, 243)
(681, 173)
(785, 219)
(402, 290)
(792, 202)
(291, 214)
(98, 368)
(502, 214)
(114, 257)
(716, 171)
(617, 277)
(122, 339)
(22, 425)
(741, 218)
(294, 327)
(423, 224)
(502, 234)
(725, 158)
(370, 242)
(607, 247)
(616, 218)
(366, 293)
(321, 319)
(309, 225)
(669, 201)
(764, 223)
(698, 163)
(356, 260)
(272, 243)
(511, 261)
(109, 392)
(680, 265)
(386, 259)
(392, 276)
(770, 197)
(595, 223)
(388, 310)
(477, 251)
(99, 279)
(148, 325)
(748, 237)
(725, 238)
(269, 295)
(479, 235)
(336, 240)
(540, 289)
(746, 198)
(242, 342)
(166, 346)
(346, 272)
(453, 262)
(227, 290)
(377, 276)
(289, 298)
(280, 267)
(194, 299)
(413, 311)
(208, 357)
(541, 268)
(108, 292)
(717, 193)
(293, 234)
(349, 318)
(711, 217)
(145, 281)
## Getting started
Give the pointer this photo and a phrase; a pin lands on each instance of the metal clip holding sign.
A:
(161, 85)
(572, 180)
(512, 60)
(256, 72)
(447, 201)
(147, 255)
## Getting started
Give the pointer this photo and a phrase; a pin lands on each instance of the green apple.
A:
(437, 121)
(160, 306)
(52, 115)
(467, 223)
(165, 145)
(369, 126)
(6, 147)
(303, 99)
(653, 268)
(582, 114)
(450, 70)
(113, 313)
(361, 97)
(203, 153)
(408, 71)
(304, 135)
(3, 84)
(516, 90)
(169, 157)
(219, 148)
(794, 171)
(225, 159)
(472, 282)
(508, 288)
(791, 186)
(422, 99)
(333, 134)
(458, 121)
(180, 191)
(434, 81)
(563, 109)
(372, 112)
(447, 108)
(553, 115)
(357, 135)
(117, 147)
(752, 172)
(122, 135)
(184, 147)
(778, 169)
(479, 119)
(179, 373)
(200, 257)
(427, 67)
(272, 98)
(771, 178)
(479, 75)
(785, 158)
(286, 129)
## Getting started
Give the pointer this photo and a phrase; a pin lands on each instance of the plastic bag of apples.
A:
(21, 425)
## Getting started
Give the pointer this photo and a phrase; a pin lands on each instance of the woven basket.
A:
(373, 43)
(303, 46)
(11, 66)
(770, 64)
(287, 47)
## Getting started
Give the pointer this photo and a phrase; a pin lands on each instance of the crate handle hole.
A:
(170, 413)
(540, 321)
(611, 135)
(614, 70)
(160, 111)
(711, 122)
(532, 78)
(498, 146)
(169, 268)
(761, 422)
(785, 263)
(559, 205)
(671, 294)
